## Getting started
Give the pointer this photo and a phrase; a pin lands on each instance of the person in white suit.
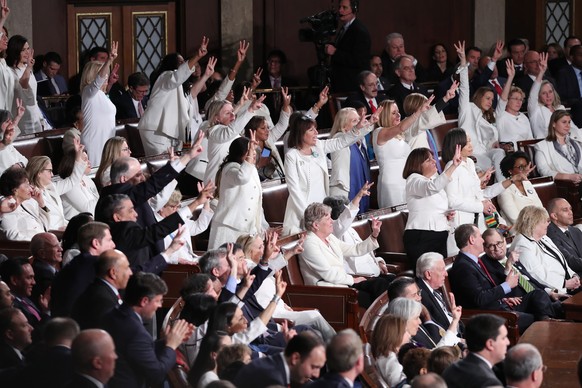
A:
(539, 255)
(167, 117)
(306, 165)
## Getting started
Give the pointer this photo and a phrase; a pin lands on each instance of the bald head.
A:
(93, 353)
(46, 247)
(523, 363)
(560, 212)
(126, 169)
(531, 62)
(113, 267)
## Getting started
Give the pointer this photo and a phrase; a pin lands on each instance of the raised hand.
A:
(251, 155)
(257, 103)
(20, 108)
(286, 97)
(375, 117)
(256, 78)
(243, 47)
(498, 50)
(543, 65)
(451, 92)
(31, 60)
(210, 67)
(8, 204)
(323, 96)
(376, 225)
(113, 52)
(5, 10)
(197, 146)
(457, 158)
(460, 48)
(203, 49)
(280, 284)
(426, 106)
(177, 242)
(205, 192)
(246, 95)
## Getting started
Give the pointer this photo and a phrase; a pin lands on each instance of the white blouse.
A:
(427, 202)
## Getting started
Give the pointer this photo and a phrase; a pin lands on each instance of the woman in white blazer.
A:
(240, 196)
(40, 173)
(31, 215)
(9, 156)
(167, 117)
(85, 196)
(560, 154)
(477, 118)
(8, 83)
(539, 255)
(306, 165)
(322, 259)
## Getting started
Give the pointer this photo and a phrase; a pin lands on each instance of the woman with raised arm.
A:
(166, 120)
(392, 150)
(306, 165)
(477, 118)
(512, 125)
(98, 110)
(543, 100)
(9, 155)
(7, 80)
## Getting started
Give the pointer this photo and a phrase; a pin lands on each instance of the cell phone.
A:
(266, 153)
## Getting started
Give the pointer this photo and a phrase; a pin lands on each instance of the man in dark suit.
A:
(367, 93)
(93, 353)
(112, 273)
(430, 278)
(345, 361)
(350, 54)
(94, 238)
(142, 361)
(524, 366)
(569, 85)
(304, 357)
(15, 336)
(132, 102)
(19, 276)
(567, 238)
(406, 82)
(473, 286)
(555, 65)
(539, 296)
(516, 49)
(273, 78)
(376, 67)
(487, 342)
(47, 255)
(531, 63)
(394, 49)
(49, 81)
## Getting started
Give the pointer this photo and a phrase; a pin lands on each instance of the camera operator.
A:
(350, 54)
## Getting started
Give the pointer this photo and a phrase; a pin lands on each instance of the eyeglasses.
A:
(517, 99)
(522, 167)
(417, 293)
(498, 245)
(126, 149)
(47, 169)
(174, 207)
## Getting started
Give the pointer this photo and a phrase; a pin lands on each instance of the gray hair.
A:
(314, 212)
(119, 168)
(343, 351)
(521, 361)
(363, 75)
(429, 380)
(393, 35)
(404, 308)
(211, 260)
(427, 261)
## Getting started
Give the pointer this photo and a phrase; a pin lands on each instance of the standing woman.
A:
(306, 165)
(165, 122)
(427, 227)
(9, 155)
(115, 147)
(240, 196)
(85, 196)
(7, 81)
(350, 166)
(98, 110)
(20, 57)
(40, 173)
(392, 150)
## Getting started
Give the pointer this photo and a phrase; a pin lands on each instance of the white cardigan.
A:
(323, 265)
(52, 195)
(427, 202)
(511, 200)
(550, 163)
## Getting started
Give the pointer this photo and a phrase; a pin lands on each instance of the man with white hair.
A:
(524, 367)
(394, 49)
(431, 272)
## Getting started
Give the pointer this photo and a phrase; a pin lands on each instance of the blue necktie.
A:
(434, 149)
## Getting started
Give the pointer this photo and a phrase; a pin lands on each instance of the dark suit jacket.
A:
(8, 357)
(80, 382)
(50, 367)
(139, 195)
(358, 97)
(42, 271)
(262, 373)
(555, 65)
(273, 101)
(92, 305)
(470, 372)
(571, 248)
(141, 361)
(33, 320)
(568, 85)
(432, 305)
(502, 70)
(351, 57)
(398, 93)
(497, 272)
(46, 88)
(390, 75)
(124, 104)
(136, 242)
(70, 283)
(329, 380)
(472, 288)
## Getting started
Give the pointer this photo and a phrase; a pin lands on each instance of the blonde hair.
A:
(34, 167)
(246, 241)
(175, 198)
(342, 118)
(111, 151)
(385, 117)
(413, 102)
(214, 109)
(528, 218)
(556, 103)
(90, 72)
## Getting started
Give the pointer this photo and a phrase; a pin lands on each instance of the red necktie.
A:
(372, 106)
(482, 265)
(497, 87)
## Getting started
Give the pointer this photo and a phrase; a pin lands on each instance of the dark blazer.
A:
(70, 283)
(570, 247)
(398, 93)
(472, 288)
(80, 382)
(8, 357)
(262, 373)
(497, 272)
(329, 380)
(50, 367)
(142, 361)
(43, 271)
(124, 104)
(46, 88)
(33, 320)
(568, 85)
(555, 65)
(470, 372)
(273, 100)
(390, 74)
(502, 70)
(358, 97)
(351, 57)
(137, 241)
(92, 305)
(139, 195)
(432, 305)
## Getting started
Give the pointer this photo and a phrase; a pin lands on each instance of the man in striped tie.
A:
(498, 265)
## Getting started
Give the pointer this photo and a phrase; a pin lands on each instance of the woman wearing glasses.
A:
(520, 193)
